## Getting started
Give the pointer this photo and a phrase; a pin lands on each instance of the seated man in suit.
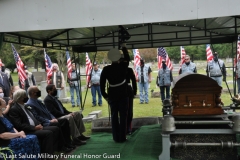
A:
(40, 110)
(23, 120)
(59, 111)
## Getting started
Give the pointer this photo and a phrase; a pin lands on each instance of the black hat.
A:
(215, 53)
(25, 67)
(95, 63)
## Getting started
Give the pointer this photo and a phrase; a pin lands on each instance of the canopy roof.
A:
(150, 35)
(90, 25)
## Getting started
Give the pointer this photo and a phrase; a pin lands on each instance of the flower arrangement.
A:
(3, 155)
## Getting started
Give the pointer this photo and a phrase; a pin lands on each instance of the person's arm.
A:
(134, 84)
(8, 106)
(103, 83)
(10, 80)
(207, 70)
(63, 81)
(19, 83)
(64, 109)
(33, 80)
(224, 72)
(43, 121)
(50, 106)
(137, 72)
(149, 75)
(180, 71)
(171, 77)
(195, 70)
(10, 135)
(157, 79)
(125, 52)
(16, 120)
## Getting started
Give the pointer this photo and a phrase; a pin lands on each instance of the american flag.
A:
(137, 58)
(238, 52)
(0, 63)
(69, 64)
(162, 54)
(20, 66)
(48, 64)
(183, 54)
(88, 68)
(209, 53)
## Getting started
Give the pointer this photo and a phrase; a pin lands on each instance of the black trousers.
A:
(130, 114)
(65, 134)
(48, 139)
(119, 110)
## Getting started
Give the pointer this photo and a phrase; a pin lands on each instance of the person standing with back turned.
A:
(117, 95)
(132, 90)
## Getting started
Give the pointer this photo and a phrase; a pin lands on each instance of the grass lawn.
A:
(140, 110)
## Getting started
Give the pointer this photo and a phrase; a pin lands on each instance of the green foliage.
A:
(34, 57)
(3, 154)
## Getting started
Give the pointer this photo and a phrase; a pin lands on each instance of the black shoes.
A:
(67, 149)
(78, 142)
(129, 133)
(70, 146)
(83, 138)
(121, 141)
(74, 106)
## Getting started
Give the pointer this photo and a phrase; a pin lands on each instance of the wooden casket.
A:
(196, 94)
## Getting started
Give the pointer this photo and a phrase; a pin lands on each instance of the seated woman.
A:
(8, 101)
(23, 146)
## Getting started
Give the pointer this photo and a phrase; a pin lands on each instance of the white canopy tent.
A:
(89, 25)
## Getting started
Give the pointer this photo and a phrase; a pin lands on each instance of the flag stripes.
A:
(69, 64)
(20, 66)
(183, 54)
(162, 54)
(209, 53)
(88, 68)
(48, 64)
(137, 59)
(238, 52)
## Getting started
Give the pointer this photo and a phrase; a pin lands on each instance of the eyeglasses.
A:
(187, 59)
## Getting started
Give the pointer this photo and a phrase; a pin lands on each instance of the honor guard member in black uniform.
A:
(132, 90)
(117, 94)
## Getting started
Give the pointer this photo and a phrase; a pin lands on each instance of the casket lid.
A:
(194, 80)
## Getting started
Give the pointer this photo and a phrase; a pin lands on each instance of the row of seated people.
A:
(27, 123)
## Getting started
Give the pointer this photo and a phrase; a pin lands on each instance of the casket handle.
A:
(204, 103)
